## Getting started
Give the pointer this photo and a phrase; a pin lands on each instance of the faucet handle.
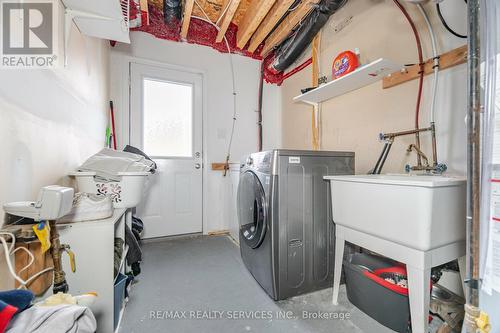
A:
(440, 168)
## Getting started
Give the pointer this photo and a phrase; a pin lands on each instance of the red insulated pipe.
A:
(297, 69)
(421, 76)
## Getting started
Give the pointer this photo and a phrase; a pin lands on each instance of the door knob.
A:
(197, 165)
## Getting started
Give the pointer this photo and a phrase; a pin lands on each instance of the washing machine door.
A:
(252, 210)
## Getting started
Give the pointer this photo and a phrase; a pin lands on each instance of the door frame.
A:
(125, 67)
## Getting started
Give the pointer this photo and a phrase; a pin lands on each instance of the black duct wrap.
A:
(172, 11)
(293, 47)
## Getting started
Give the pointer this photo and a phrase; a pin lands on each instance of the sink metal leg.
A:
(339, 257)
(420, 294)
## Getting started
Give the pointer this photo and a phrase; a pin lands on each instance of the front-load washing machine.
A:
(286, 231)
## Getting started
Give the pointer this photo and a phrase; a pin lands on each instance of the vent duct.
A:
(292, 48)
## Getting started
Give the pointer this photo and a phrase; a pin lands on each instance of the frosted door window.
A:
(168, 118)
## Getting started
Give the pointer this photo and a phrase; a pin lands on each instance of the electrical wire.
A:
(203, 11)
(445, 24)
(259, 111)
(421, 72)
(297, 4)
(9, 251)
(223, 12)
(435, 58)
(207, 20)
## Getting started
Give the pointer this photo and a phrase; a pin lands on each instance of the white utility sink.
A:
(418, 211)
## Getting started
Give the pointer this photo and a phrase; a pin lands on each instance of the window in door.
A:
(167, 118)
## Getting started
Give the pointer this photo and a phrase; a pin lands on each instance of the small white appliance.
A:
(52, 203)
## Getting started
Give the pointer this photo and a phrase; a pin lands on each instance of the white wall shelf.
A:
(359, 78)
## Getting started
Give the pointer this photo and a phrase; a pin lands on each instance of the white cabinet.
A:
(93, 245)
(106, 19)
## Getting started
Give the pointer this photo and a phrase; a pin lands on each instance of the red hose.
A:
(297, 69)
(421, 72)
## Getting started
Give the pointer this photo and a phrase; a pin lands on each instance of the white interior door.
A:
(166, 123)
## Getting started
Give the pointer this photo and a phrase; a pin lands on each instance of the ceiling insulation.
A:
(268, 23)
(213, 8)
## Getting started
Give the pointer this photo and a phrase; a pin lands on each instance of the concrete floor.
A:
(205, 273)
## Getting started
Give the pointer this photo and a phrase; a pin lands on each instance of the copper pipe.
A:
(434, 145)
(387, 136)
(419, 153)
(60, 284)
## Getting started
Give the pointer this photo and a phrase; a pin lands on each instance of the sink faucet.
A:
(437, 168)
(419, 152)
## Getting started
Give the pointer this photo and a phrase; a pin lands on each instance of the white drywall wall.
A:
(218, 100)
(271, 117)
(51, 121)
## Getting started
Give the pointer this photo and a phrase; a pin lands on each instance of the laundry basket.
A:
(126, 193)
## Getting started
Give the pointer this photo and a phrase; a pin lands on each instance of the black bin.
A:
(388, 307)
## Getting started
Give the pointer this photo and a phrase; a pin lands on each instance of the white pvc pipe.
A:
(436, 61)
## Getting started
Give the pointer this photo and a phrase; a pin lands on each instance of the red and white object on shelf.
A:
(345, 63)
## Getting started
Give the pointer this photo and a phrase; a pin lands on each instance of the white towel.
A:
(108, 163)
(64, 318)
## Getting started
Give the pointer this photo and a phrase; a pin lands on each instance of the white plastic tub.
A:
(126, 193)
(421, 212)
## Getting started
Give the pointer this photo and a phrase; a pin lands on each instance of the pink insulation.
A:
(203, 33)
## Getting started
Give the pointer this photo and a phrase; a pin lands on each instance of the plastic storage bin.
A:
(126, 193)
(388, 307)
(119, 294)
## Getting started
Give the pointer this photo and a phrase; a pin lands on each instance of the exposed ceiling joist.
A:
(188, 10)
(273, 16)
(290, 22)
(253, 17)
(228, 16)
(225, 3)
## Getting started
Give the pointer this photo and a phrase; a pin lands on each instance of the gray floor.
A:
(185, 275)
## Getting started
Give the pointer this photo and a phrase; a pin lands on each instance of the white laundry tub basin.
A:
(421, 212)
(126, 193)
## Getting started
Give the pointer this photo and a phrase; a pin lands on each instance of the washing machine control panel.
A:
(260, 162)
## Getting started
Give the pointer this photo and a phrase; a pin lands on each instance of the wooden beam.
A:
(290, 22)
(273, 16)
(446, 60)
(253, 17)
(219, 166)
(221, 14)
(188, 10)
(231, 10)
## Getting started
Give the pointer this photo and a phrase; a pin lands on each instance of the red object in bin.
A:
(375, 276)
(345, 63)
